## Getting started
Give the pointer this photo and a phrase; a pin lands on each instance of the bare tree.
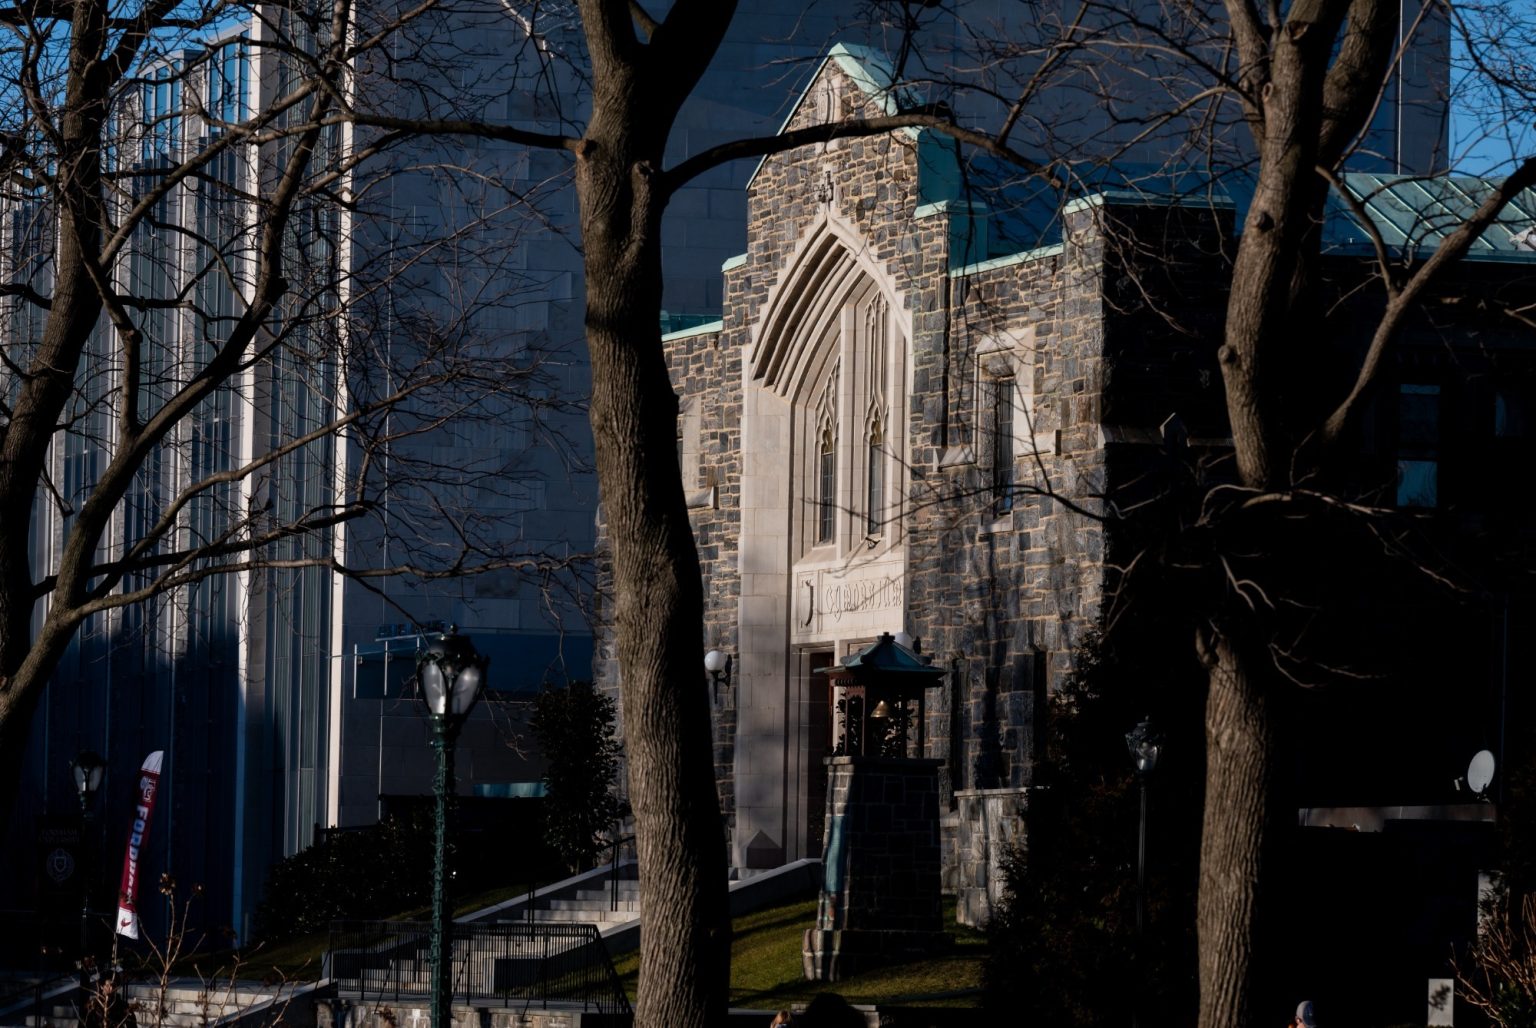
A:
(79, 196)
(1498, 976)
(1304, 78)
(1308, 81)
(191, 339)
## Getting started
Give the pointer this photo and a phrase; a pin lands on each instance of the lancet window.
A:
(826, 462)
(874, 497)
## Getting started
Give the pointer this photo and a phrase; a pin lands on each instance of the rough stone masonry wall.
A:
(869, 183)
(1125, 309)
(707, 377)
(880, 900)
(1003, 601)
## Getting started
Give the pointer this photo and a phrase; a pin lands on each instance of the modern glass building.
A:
(228, 674)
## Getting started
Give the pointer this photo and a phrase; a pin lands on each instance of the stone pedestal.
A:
(880, 895)
(989, 826)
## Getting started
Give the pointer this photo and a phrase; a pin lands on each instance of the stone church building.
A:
(930, 381)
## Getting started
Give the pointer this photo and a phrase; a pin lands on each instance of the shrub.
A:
(1067, 926)
(575, 730)
(357, 873)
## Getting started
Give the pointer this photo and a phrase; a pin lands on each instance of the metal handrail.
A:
(493, 963)
(43, 943)
(613, 873)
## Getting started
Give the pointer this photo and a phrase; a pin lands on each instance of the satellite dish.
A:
(1480, 771)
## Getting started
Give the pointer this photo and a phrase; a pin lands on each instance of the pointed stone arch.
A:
(829, 266)
(824, 473)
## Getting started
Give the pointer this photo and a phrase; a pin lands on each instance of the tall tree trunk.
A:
(658, 592)
(75, 305)
(1237, 829)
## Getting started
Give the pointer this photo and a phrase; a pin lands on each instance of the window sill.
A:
(1000, 525)
(955, 456)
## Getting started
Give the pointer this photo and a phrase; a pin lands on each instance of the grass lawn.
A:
(766, 971)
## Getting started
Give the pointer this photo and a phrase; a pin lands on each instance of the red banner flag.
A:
(143, 809)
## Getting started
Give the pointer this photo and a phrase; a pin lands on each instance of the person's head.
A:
(1305, 1016)
(782, 1017)
(830, 1010)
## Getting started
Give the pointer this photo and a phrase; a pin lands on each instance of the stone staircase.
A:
(186, 1003)
(593, 898)
(589, 899)
(592, 906)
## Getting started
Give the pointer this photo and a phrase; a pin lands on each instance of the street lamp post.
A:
(451, 674)
(1146, 745)
(88, 769)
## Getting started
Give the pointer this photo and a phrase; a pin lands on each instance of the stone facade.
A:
(987, 825)
(872, 293)
(929, 404)
(868, 325)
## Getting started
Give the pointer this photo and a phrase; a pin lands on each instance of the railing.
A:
(39, 950)
(495, 964)
(40, 940)
(613, 871)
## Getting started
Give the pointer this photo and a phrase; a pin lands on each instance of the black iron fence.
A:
(494, 964)
(38, 950)
(33, 940)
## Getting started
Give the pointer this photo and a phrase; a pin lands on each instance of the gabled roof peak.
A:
(869, 69)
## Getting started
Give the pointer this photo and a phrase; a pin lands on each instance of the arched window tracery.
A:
(826, 460)
(832, 342)
(874, 494)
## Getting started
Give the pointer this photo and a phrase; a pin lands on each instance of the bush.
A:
(1499, 979)
(359, 873)
(1067, 928)
(575, 730)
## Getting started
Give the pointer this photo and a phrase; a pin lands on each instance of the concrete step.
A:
(583, 916)
(586, 902)
(626, 890)
(601, 918)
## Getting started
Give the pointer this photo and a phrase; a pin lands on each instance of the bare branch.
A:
(936, 118)
(1356, 79)
(648, 25)
(1451, 249)
(457, 127)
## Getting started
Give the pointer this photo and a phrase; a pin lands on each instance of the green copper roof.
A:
(1417, 213)
(887, 657)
